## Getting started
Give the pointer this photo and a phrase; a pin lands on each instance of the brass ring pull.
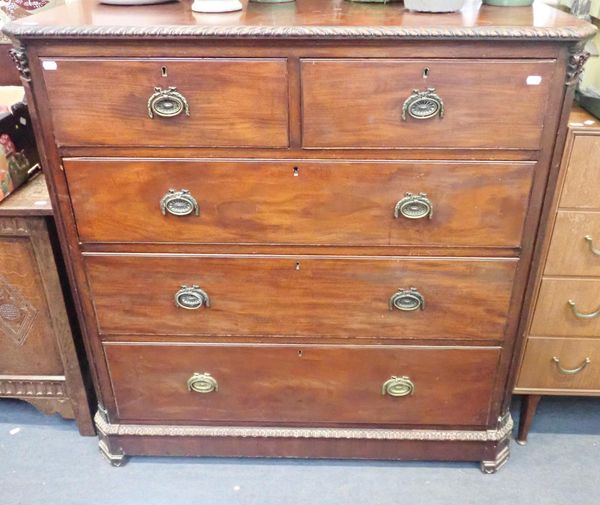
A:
(407, 300)
(414, 207)
(571, 371)
(590, 242)
(398, 386)
(202, 383)
(179, 203)
(582, 315)
(191, 298)
(167, 103)
(423, 105)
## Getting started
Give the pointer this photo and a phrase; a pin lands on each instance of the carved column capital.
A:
(19, 56)
(577, 60)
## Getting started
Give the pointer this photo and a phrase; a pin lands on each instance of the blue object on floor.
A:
(44, 461)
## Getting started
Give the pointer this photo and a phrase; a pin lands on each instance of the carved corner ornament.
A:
(575, 65)
(19, 56)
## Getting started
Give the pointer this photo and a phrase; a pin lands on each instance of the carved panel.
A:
(575, 66)
(17, 314)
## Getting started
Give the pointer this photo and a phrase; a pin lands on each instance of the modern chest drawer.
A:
(561, 363)
(168, 102)
(386, 103)
(302, 384)
(567, 307)
(580, 189)
(302, 296)
(287, 202)
(575, 245)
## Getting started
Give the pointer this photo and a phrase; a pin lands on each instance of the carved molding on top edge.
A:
(18, 30)
(19, 56)
(33, 387)
(577, 60)
(275, 432)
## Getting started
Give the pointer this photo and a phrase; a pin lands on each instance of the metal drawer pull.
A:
(179, 203)
(582, 315)
(414, 207)
(398, 386)
(202, 383)
(423, 105)
(191, 298)
(407, 300)
(571, 371)
(167, 103)
(590, 242)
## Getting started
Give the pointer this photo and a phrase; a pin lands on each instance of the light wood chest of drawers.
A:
(562, 350)
(301, 232)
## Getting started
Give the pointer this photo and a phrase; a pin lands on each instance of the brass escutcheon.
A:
(423, 105)
(179, 203)
(398, 386)
(407, 300)
(167, 103)
(414, 207)
(202, 383)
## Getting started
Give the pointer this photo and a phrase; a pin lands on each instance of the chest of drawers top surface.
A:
(316, 217)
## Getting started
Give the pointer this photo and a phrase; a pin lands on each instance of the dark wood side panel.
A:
(232, 102)
(488, 103)
(302, 384)
(300, 202)
(302, 296)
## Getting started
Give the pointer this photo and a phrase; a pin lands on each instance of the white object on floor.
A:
(216, 6)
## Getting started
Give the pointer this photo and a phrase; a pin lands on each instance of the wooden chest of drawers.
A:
(562, 351)
(304, 232)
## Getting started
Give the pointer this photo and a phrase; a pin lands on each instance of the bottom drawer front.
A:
(561, 363)
(302, 384)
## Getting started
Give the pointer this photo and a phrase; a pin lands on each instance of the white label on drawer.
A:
(49, 65)
(534, 80)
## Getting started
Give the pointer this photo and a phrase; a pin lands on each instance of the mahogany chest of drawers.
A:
(303, 230)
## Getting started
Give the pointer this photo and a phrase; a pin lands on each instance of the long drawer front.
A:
(303, 296)
(561, 363)
(317, 203)
(302, 384)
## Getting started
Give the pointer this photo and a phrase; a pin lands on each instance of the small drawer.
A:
(248, 384)
(575, 245)
(567, 307)
(560, 363)
(386, 103)
(128, 102)
(582, 183)
(301, 296)
(315, 203)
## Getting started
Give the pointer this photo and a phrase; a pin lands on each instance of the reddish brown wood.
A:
(302, 296)
(529, 404)
(345, 204)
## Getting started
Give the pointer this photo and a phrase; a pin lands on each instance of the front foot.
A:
(115, 458)
(493, 465)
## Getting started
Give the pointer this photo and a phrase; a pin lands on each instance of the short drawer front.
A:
(582, 183)
(567, 307)
(302, 384)
(303, 297)
(575, 245)
(472, 204)
(107, 102)
(560, 363)
(486, 103)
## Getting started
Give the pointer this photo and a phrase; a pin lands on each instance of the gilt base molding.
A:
(310, 433)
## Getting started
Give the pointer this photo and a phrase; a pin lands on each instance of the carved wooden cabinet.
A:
(562, 353)
(38, 359)
(302, 230)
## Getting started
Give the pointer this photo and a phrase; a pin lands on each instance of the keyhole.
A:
(299, 354)
(297, 265)
(296, 172)
(425, 72)
(163, 71)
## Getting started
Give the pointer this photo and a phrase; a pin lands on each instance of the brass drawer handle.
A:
(571, 371)
(590, 242)
(398, 386)
(423, 105)
(191, 298)
(414, 207)
(582, 315)
(407, 300)
(179, 203)
(202, 383)
(167, 103)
